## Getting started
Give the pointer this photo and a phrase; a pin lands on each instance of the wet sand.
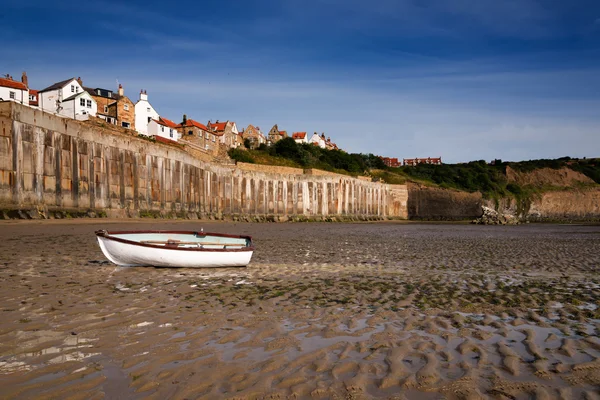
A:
(382, 310)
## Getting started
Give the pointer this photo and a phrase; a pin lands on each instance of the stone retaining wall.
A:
(52, 163)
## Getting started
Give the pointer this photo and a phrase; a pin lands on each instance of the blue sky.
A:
(460, 79)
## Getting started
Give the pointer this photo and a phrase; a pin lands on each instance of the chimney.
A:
(143, 95)
(79, 81)
(121, 90)
(24, 79)
(184, 119)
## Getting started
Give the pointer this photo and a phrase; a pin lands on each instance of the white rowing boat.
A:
(175, 249)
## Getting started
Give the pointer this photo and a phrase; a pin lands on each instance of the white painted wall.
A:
(143, 111)
(156, 129)
(74, 108)
(48, 100)
(315, 138)
(21, 96)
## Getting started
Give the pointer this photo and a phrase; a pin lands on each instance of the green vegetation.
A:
(487, 178)
(289, 153)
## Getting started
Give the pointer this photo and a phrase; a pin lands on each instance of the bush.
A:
(240, 155)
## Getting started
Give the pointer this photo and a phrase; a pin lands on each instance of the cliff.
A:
(432, 203)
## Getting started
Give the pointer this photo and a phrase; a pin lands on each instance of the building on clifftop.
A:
(144, 114)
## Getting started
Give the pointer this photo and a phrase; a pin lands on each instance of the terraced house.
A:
(254, 135)
(200, 135)
(115, 108)
(276, 135)
(231, 135)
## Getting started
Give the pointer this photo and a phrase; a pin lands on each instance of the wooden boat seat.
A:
(179, 243)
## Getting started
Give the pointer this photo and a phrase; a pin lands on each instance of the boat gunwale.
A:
(107, 235)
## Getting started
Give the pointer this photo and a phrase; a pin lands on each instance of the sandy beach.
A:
(326, 311)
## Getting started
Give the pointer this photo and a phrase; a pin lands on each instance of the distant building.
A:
(68, 99)
(199, 134)
(254, 136)
(144, 114)
(229, 131)
(318, 140)
(11, 90)
(114, 108)
(391, 162)
(164, 128)
(275, 135)
(416, 161)
(300, 137)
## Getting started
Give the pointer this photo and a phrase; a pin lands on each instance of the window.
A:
(206, 136)
(148, 109)
(170, 132)
(72, 88)
(149, 119)
(125, 124)
(105, 109)
(89, 104)
(214, 137)
(190, 132)
(126, 107)
(12, 95)
(162, 128)
(76, 89)
(82, 102)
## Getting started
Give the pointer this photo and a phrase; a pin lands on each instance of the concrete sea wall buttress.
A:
(56, 163)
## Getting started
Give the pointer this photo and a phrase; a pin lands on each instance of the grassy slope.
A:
(474, 176)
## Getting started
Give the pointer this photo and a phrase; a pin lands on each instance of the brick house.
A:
(230, 134)
(200, 135)
(391, 162)
(275, 135)
(254, 135)
(115, 108)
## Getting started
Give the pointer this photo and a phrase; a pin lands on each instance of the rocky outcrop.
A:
(493, 217)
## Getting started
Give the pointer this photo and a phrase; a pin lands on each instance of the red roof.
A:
(282, 133)
(34, 93)
(166, 122)
(298, 135)
(12, 84)
(191, 122)
(165, 140)
(218, 126)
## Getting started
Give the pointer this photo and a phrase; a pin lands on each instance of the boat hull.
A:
(132, 255)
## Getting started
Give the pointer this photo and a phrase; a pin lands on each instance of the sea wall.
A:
(51, 163)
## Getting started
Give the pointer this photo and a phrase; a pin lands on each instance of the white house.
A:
(144, 114)
(300, 137)
(79, 106)
(11, 90)
(65, 98)
(164, 128)
(318, 140)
